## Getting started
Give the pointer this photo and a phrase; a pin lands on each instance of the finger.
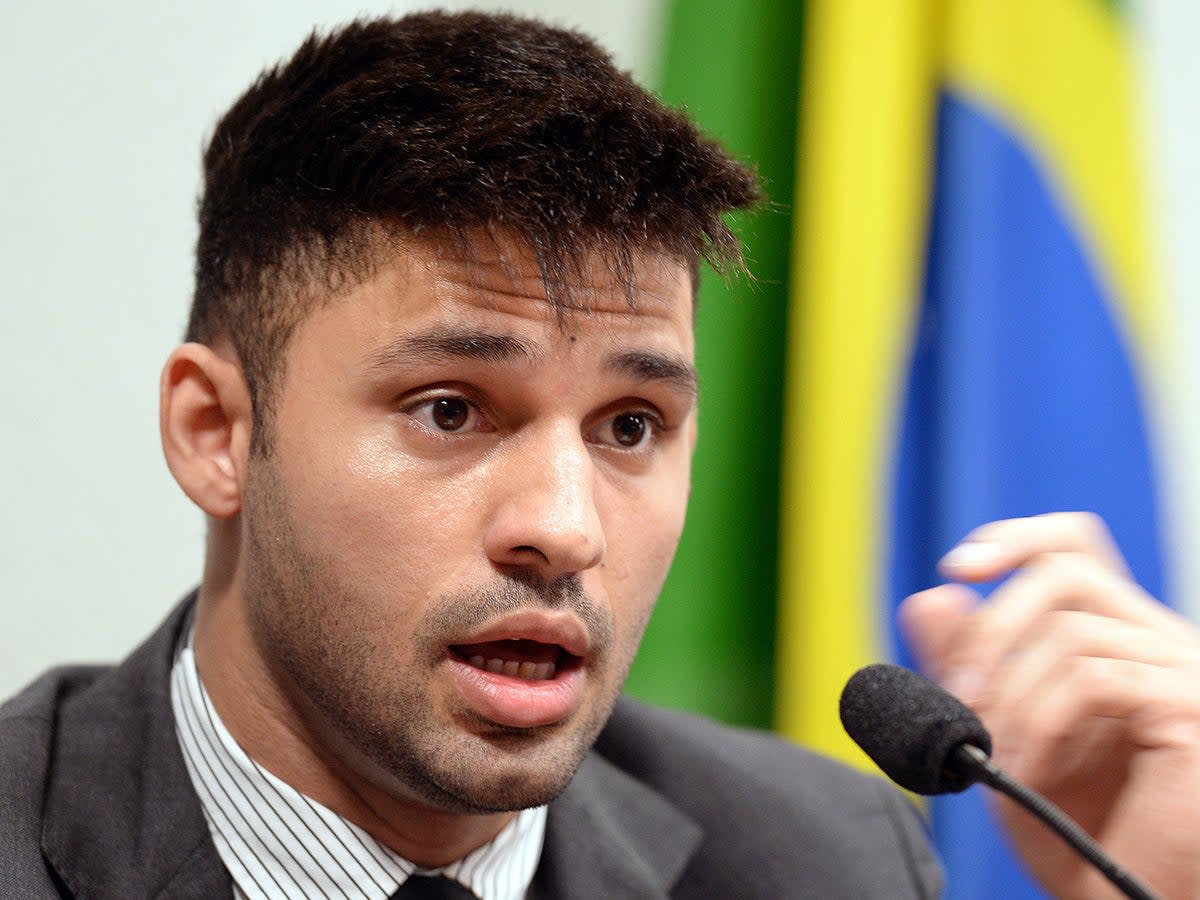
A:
(1021, 680)
(1148, 702)
(1061, 581)
(993, 549)
(1069, 756)
(931, 621)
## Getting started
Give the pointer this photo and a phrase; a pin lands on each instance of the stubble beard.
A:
(330, 653)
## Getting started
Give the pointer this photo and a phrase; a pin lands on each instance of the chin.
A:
(501, 780)
(510, 794)
(478, 767)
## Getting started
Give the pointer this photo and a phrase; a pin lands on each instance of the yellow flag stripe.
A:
(867, 100)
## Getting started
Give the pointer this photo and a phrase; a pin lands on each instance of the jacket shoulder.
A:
(773, 811)
(27, 732)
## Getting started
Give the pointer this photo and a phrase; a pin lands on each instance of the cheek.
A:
(381, 518)
(658, 540)
(666, 503)
(642, 533)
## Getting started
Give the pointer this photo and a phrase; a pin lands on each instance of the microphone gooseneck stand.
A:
(971, 757)
(928, 741)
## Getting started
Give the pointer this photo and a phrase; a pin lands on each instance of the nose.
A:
(546, 520)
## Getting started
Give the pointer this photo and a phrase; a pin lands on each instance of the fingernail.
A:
(971, 555)
(964, 683)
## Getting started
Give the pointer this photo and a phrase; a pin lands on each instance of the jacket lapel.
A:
(610, 835)
(121, 817)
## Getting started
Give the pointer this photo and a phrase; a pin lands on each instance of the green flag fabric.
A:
(734, 65)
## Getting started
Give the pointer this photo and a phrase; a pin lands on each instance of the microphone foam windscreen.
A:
(910, 727)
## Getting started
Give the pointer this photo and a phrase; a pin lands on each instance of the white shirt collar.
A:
(277, 842)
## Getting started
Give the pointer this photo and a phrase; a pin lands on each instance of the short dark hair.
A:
(441, 124)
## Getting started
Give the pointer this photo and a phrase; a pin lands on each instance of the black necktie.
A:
(432, 887)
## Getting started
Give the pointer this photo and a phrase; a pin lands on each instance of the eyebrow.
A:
(650, 366)
(444, 345)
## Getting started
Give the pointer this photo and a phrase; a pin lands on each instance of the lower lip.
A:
(517, 702)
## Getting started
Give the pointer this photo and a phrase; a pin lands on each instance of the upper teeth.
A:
(530, 671)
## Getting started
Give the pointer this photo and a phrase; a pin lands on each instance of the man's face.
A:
(467, 513)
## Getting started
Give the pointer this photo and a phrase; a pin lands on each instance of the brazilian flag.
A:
(955, 320)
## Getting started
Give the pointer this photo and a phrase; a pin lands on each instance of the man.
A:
(438, 404)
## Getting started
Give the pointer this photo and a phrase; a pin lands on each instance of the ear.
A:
(205, 421)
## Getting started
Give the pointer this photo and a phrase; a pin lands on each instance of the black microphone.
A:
(928, 741)
(911, 728)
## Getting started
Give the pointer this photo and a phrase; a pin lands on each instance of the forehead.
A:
(489, 279)
(429, 308)
(639, 283)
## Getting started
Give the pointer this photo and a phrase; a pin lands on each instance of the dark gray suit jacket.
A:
(96, 804)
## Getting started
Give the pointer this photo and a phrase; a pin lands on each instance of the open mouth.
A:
(521, 658)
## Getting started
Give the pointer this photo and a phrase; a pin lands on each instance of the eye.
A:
(628, 430)
(449, 415)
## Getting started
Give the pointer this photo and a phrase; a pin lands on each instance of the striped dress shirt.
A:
(278, 843)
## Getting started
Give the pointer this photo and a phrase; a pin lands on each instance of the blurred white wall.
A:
(1169, 30)
(104, 108)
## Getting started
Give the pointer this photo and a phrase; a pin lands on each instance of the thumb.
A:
(932, 621)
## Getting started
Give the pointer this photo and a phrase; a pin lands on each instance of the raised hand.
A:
(1090, 688)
